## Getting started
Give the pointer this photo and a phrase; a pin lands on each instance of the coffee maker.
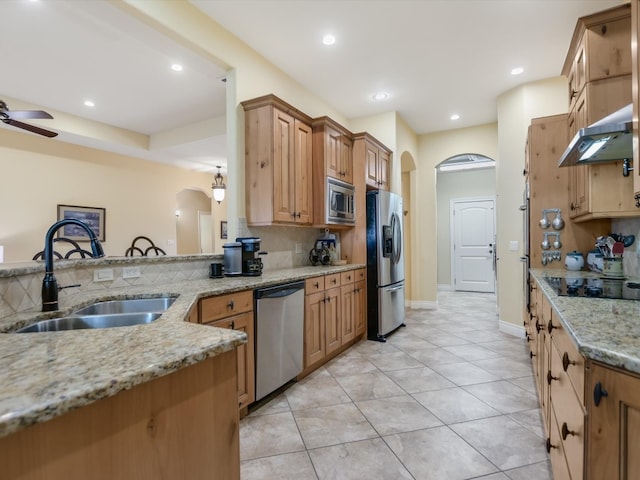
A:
(251, 261)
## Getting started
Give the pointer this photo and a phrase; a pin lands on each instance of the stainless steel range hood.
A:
(607, 140)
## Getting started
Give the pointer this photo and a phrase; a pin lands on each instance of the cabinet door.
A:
(332, 147)
(314, 328)
(333, 329)
(347, 311)
(609, 49)
(614, 425)
(372, 165)
(301, 187)
(384, 165)
(284, 139)
(346, 158)
(360, 309)
(245, 353)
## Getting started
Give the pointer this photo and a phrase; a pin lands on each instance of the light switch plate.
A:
(130, 272)
(513, 245)
(103, 275)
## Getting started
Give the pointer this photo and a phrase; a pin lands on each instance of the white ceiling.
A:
(433, 57)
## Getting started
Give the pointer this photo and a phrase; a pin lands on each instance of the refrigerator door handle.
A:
(399, 287)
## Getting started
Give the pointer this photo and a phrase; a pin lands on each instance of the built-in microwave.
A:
(341, 202)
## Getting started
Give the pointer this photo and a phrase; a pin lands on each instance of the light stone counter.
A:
(44, 375)
(605, 330)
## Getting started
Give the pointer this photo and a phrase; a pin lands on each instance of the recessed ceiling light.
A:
(176, 67)
(329, 39)
(89, 103)
(517, 71)
(380, 96)
(455, 116)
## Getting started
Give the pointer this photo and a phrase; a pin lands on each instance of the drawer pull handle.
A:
(566, 362)
(549, 445)
(551, 326)
(538, 326)
(598, 393)
(531, 354)
(333, 281)
(566, 432)
(550, 378)
(233, 325)
(317, 285)
(348, 277)
(230, 304)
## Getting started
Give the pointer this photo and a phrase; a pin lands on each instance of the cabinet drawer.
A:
(332, 280)
(347, 277)
(556, 451)
(569, 414)
(361, 274)
(571, 362)
(216, 308)
(313, 285)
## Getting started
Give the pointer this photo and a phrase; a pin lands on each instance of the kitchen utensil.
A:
(545, 243)
(558, 222)
(618, 249)
(610, 243)
(544, 221)
(628, 240)
(574, 260)
(556, 243)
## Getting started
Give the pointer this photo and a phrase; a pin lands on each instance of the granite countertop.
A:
(604, 330)
(44, 375)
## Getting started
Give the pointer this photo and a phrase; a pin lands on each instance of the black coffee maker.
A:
(251, 261)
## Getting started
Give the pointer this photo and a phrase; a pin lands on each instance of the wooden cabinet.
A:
(235, 311)
(181, 425)
(360, 302)
(614, 423)
(347, 307)
(377, 160)
(635, 90)
(332, 313)
(278, 163)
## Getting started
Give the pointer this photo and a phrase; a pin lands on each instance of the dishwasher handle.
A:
(279, 291)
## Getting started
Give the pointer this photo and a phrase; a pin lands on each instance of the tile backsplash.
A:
(630, 259)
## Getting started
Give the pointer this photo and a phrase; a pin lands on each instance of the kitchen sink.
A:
(136, 305)
(78, 322)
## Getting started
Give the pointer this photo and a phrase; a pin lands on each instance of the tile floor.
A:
(448, 397)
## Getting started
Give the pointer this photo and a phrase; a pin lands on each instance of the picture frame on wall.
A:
(223, 229)
(92, 216)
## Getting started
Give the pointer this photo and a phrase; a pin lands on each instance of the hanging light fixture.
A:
(218, 187)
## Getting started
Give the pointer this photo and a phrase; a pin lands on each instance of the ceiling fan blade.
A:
(24, 114)
(30, 128)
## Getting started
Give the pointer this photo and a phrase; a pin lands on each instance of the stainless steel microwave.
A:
(341, 202)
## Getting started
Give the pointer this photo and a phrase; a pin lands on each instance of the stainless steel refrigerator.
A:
(385, 264)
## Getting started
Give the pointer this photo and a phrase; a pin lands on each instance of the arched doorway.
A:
(408, 168)
(194, 224)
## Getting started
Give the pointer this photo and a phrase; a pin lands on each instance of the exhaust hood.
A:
(607, 140)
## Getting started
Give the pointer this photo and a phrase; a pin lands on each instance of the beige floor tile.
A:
(537, 471)
(414, 380)
(531, 420)
(504, 442)
(324, 426)
(464, 373)
(504, 396)
(472, 353)
(518, 366)
(527, 382)
(393, 361)
(277, 404)
(397, 415)
(438, 454)
(369, 385)
(267, 435)
(350, 365)
(367, 459)
(434, 356)
(454, 405)
(291, 466)
(315, 392)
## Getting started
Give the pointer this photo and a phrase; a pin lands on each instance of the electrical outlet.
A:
(103, 275)
(298, 248)
(130, 272)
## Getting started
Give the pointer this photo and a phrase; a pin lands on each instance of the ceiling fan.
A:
(11, 117)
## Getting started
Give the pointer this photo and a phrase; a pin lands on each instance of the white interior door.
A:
(205, 232)
(473, 236)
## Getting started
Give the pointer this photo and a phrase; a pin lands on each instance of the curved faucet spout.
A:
(49, 283)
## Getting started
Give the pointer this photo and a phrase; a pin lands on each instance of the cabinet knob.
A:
(333, 281)
(566, 432)
(230, 305)
(626, 167)
(549, 445)
(531, 354)
(566, 362)
(598, 393)
(550, 378)
(573, 94)
(233, 325)
(550, 327)
(298, 214)
(317, 285)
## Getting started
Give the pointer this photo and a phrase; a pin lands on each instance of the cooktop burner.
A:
(594, 288)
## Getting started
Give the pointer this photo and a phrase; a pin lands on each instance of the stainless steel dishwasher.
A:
(279, 334)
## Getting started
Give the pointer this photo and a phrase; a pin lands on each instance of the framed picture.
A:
(92, 216)
(223, 229)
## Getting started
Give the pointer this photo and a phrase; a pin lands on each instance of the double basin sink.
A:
(114, 313)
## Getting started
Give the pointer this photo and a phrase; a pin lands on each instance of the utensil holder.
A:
(612, 267)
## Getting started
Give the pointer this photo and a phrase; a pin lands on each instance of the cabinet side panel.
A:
(259, 165)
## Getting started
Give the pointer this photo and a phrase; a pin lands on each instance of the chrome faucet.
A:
(49, 284)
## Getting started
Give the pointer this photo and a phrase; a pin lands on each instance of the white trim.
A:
(423, 305)
(511, 329)
(445, 287)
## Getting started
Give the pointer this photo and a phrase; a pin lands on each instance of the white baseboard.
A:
(511, 329)
(445, 287)
(422, 304)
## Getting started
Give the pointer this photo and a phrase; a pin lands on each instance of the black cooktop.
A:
(594, 288)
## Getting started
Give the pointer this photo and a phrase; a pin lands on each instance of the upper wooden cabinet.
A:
(600, 48)
(377, 160)
(332, 150)
(278, 162)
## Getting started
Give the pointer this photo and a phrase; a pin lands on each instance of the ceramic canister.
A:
(612, 267)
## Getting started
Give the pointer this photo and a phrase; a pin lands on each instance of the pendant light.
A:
(218, 187)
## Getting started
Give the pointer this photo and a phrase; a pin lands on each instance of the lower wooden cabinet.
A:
(235, 311)
(360, 303)
(614, 424)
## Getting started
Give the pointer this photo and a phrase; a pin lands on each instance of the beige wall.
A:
(139, 196)
(190, 202)
(451, 186)
(516, 108)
